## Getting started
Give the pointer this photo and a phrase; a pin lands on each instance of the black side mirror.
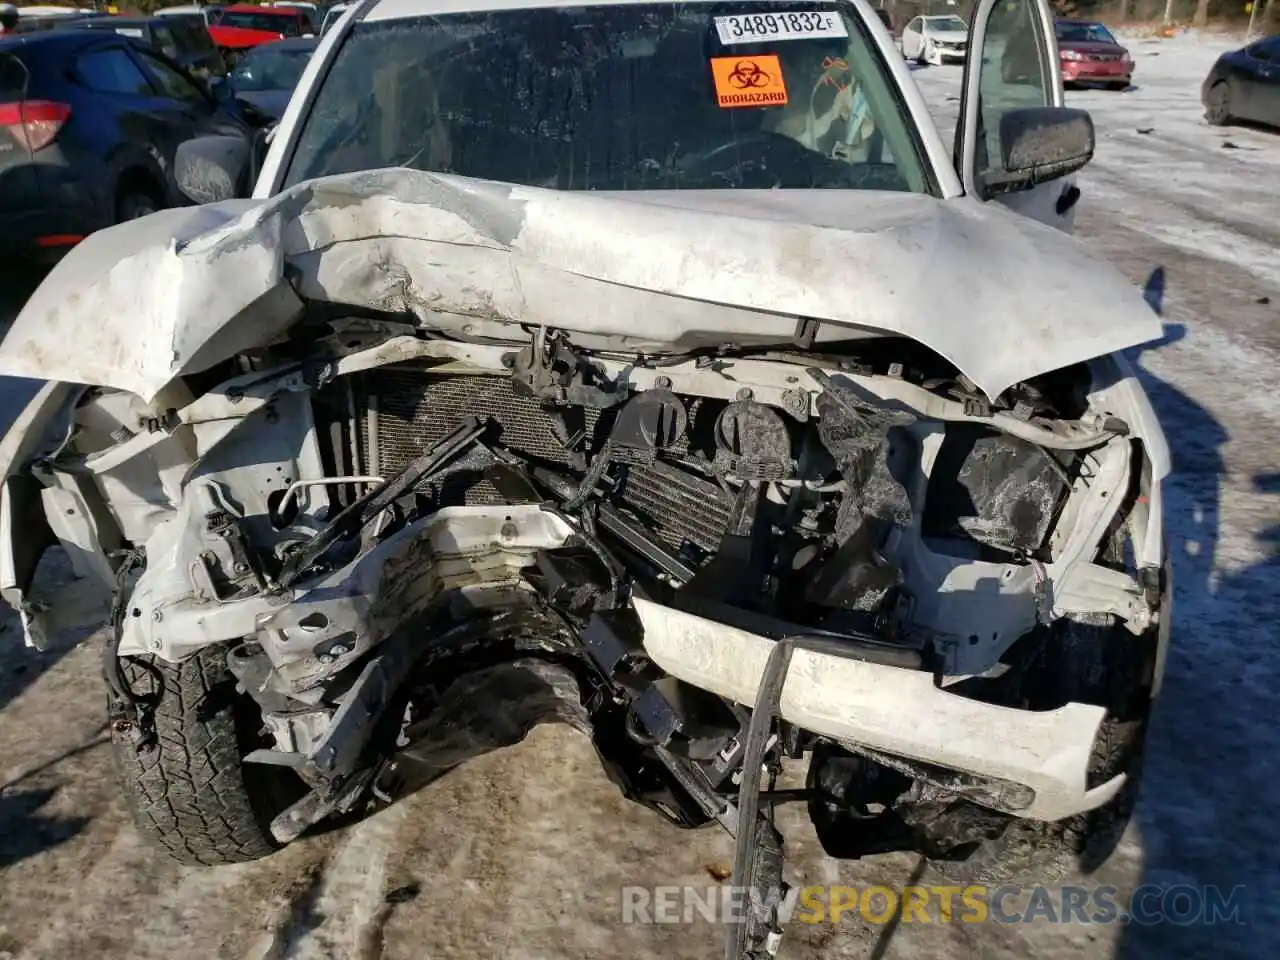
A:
(1038, 144)
(209, 169)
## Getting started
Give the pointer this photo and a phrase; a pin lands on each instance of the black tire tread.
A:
(1225, 119)
(188, 794)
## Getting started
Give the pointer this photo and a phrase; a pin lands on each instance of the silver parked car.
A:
(585, 363)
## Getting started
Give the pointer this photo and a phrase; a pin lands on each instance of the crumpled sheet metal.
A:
(1002, 297)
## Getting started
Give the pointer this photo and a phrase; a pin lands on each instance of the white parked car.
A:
(207, 12)
(332, 15)
(53, 10)
(611, 387)
(311, 11)
(935, 40)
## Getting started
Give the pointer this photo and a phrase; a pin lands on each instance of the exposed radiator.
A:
(412, 409)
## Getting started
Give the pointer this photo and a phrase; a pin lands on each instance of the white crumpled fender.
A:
(1003, 297)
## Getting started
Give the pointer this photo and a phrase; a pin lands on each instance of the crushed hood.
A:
(1002, 297)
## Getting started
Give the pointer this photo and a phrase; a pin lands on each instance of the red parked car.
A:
(1091, 54)
(242, 26)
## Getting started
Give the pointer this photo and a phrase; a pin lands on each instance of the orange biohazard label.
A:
(749, 81)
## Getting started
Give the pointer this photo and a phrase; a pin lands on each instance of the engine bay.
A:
(417, 549)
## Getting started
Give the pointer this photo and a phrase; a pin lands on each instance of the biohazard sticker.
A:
(749, 81)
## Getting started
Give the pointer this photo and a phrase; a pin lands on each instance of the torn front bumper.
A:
(893, 710)
(323, 625)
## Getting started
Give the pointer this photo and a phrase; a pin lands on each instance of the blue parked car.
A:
(1245, 85)
(89, 125)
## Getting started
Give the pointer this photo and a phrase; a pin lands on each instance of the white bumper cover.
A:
(893, 710)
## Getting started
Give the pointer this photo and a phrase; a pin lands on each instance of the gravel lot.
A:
(522, 854)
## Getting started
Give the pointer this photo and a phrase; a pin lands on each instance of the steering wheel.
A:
(725, 156)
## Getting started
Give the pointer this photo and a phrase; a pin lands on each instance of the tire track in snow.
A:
(1200, 184)
(339, 916)
(187, 920)
(1183, 225)
(1232, 307)
(100, 901)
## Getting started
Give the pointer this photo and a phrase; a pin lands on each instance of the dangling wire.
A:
(111, 671)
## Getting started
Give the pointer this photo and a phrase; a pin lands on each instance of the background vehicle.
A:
(209, 14)
(311, 11)
(332, 15)
(285, 21)
(242, 27)
(551, 508)
(1245, 85)
(89, 125)
(1091, 54)
(183, 38)
(34, 19)
(935, 40)
(264, 78)
(53, 10)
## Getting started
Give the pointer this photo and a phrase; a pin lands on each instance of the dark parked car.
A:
(1090, 53)
(264, 78)
(183, 39)
(89, 125)
(1245, 85)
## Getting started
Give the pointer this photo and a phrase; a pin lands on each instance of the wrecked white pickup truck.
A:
(725, 431)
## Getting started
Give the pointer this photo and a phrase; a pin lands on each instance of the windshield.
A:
(264, 68)
(274, 23)
(642, 96)
(1083, 33)
(947, 23)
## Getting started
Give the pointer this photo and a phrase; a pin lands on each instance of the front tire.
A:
(1217, 108)
(189, 792)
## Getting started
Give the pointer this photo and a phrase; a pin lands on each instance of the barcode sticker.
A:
(763, 27)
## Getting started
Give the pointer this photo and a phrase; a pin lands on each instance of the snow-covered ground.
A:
(522, 854)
